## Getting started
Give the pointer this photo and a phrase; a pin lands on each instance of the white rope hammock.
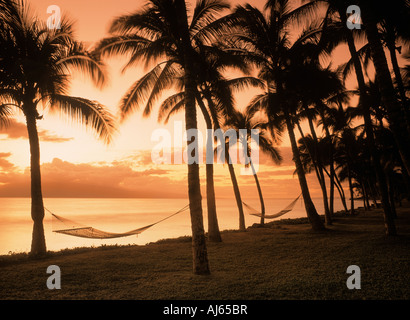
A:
(287, 209)
(73, 228)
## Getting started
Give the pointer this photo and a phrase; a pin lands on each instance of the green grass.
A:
(284, 260)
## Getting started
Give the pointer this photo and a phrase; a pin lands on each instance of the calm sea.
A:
(121, 215)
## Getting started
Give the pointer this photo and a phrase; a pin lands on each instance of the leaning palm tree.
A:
(160, 34)
(214, 102)
(247, 121)
(35, 66)
(172, 105)
(265, 35)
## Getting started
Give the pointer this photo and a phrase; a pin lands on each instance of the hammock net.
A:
(287, 209)
(72, 228)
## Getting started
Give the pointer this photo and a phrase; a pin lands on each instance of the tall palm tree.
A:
(334, 33)
(35, 66)
(265, 36)
(398, 118)
(161, 34)
(308, 77)
(218, 95)
(172, 105)
(334, 119)
(346, 154)
(215, 100)
(247, 121)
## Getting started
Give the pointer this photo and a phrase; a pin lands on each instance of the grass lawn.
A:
(283, 260)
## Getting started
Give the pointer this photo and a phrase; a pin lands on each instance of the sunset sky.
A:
(76, 164)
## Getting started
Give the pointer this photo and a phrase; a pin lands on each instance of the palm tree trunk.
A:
(341, 192)
(230, 167)
(38, 244)
(235, 189)
(258, 186)
(339, 188)
(332, 188)
(214, 234)
(199, 248)
(364, 196)
(388, 220)
(331, 163)
(311, 212)
(321, 176)
(349, 176)
(391, 194)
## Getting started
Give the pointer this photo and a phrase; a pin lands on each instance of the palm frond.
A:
(165, 80)
(215, 30)
(242, 83)
(89, 113)
(258, 103)
(5, 115)
(205, 12)
(168, 104)
(348, 67)
(87, 62)
(267, 147)
(121, 45)
(302, 13)
(146, 23)
(138, 92)
(175, 109)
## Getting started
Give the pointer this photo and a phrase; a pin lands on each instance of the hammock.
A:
(75, 229)
(272, 216)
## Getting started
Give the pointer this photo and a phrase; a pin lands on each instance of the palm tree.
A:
(346, 152)
(172, 105)
(335, 120)
(35, 65)
(308, 77)
(160, 34)
(395, 34)
(267, 40)
(334, 33)
(220, 101)
(247, 121)
(218, 95)
(398, 118)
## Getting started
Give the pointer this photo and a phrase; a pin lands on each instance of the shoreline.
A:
(269, 224)
(284, 260)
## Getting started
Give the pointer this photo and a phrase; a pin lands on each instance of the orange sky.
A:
(75, 163)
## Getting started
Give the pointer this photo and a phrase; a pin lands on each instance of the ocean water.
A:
(122, 215)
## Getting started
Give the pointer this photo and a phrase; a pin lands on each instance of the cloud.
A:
(137, 177)
(5, 164)
(18, 130)
(87, 180)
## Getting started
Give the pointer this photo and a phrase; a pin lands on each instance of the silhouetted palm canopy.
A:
(35, 71)
(150, 37)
